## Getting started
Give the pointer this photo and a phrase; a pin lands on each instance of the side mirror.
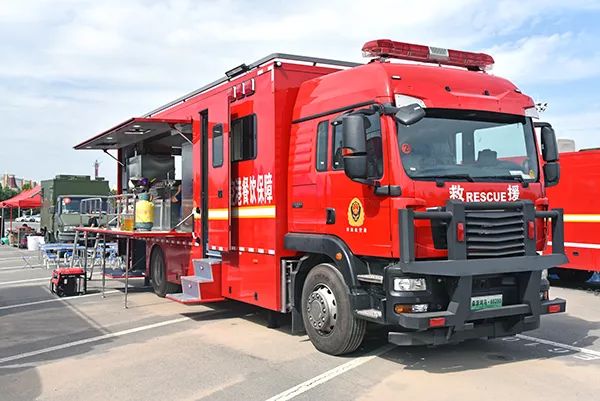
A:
(549, 145)
(551, 174)
(410, 114)
(354, 140)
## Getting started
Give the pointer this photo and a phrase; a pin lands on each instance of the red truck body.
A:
(276, 212)
(577, 194)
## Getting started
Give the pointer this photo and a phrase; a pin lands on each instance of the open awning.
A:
(28, 199)
(135, 130)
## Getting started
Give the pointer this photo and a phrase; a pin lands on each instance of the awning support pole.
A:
(117, 160)
(177, 131)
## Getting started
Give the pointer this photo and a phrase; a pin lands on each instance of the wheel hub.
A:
(322, 309)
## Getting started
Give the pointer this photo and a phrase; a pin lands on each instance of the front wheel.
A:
(327, 312)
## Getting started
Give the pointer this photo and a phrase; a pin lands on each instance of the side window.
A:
(217, 145)
(374, 146)
(322, 142)
(337, 162)
(243, 137)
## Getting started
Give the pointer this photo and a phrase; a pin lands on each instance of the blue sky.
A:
(72, 68)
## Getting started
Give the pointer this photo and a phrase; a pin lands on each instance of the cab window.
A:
(322, 142)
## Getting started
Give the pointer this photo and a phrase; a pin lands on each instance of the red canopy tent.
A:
(28, 199)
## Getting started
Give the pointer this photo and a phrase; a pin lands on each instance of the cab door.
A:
(219, 177)
(361, 218)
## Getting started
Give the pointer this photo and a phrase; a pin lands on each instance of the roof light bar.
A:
(427, 54)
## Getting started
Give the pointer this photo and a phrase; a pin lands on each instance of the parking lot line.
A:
(16, 257)
(330, 374)
(19, 267)
(559, 345)
(30, 280)
(92, 340)
(45, 301)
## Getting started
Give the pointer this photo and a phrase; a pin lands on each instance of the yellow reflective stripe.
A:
(253, 212)
(582, 218)
(245, 212)
(218, 214)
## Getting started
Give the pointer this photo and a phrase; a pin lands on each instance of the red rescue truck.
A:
(403, 194)
(578, 194)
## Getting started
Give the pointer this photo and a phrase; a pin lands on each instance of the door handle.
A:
(330, 213)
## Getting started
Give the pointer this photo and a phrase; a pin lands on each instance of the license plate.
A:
(486, 302)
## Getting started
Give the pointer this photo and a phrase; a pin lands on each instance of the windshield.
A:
(70, 204)
(470, 146)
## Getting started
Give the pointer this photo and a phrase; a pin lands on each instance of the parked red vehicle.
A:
(407, 195)
(577, 195)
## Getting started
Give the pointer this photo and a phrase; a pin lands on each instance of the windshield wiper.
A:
(440, 180)
(508, 177)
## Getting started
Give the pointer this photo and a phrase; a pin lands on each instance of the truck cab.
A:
(428, 185)
(61, 203)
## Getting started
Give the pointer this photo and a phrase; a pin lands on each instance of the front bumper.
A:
(507, 321)
(453, 282)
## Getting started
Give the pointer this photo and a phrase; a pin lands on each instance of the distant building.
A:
(12, 182)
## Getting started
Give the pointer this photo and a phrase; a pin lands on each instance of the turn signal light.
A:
(553, 308)
(399, 308)
(437, 322)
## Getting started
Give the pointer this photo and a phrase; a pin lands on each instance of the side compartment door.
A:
(219, 177)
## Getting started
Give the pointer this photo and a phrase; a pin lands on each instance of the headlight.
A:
(409, 284)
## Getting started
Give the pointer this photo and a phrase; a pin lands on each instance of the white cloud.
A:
(559, 57)
(583, 126)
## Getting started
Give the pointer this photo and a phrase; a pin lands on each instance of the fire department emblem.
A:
(356, 213)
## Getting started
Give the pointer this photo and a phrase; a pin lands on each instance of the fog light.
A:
(416, 308)
(410, 284)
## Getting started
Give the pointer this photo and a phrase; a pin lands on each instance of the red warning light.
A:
(427, 54)
(406, 149)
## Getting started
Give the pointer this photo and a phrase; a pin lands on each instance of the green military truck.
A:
(61, 199)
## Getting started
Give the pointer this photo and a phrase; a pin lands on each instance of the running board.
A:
(370, 314)
(203, 286)
(370, 278)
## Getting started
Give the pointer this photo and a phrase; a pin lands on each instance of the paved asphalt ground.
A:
(89, 348)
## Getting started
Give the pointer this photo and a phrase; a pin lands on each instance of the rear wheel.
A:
(158, 269)
(574, 275)
(327, 312)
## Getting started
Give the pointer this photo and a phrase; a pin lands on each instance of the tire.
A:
(158, 271)
(342, 332)
(574, 275)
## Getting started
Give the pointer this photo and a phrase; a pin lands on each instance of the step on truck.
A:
(411, 195)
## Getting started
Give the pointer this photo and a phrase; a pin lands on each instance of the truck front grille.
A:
(495, 233)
